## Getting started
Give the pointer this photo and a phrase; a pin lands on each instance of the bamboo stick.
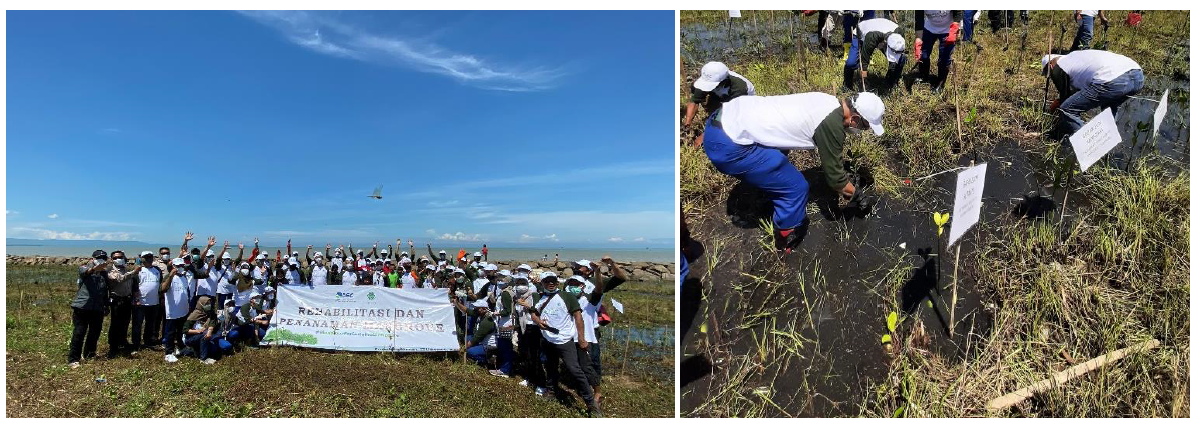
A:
(1015, 397)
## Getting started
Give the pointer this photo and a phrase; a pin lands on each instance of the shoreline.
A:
(635, 271)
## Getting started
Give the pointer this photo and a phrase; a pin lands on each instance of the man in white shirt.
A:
(176, 288)
(745, 138)
(1084, 33)
(558, 315)
(875, 34)
(147, 310)
(1088, 79)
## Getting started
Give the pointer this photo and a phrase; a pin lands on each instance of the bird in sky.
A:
(376, 194)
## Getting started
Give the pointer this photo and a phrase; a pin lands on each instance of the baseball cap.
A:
(478, 254)
(896, 47)
(547, 274)
(261, 256)
(459, 271)
(490, 267)
(318, 254)
(576, 278)
(209, 253)
(226, 256)
(711, 75)
(585, 263)
(99, 254)
(872, 109)
(441, 251)
(505, 272)
(146, 253)
(431, 267)
(523, 267)
(177, 261)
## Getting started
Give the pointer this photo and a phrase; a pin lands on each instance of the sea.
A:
(649, 254)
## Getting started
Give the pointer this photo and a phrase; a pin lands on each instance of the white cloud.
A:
(53, 216)
(639, 239)
(615, 239)
(322, 33)
(46, 234)
(431, 231)
(459, 236)
(525, 238)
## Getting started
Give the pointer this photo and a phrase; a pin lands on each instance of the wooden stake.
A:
(626, 353)
(955, 288)
(1015, 397)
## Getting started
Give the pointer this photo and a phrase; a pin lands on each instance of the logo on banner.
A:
(371, 296)
(342, 295)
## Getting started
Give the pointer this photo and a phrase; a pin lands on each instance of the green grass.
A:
(1113, 275)
(291, 382)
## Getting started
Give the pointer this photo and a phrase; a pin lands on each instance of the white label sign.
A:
(969, 187)
(1161, 111)
(1095, 139)
(364, 318)
(617, 305)
(735, 13)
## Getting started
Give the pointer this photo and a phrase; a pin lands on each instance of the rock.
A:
(641, 275)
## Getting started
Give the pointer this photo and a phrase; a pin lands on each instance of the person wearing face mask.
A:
(458, 291)
(225, 275)
(245, 284)
(349, 277)
(121, 279)
(88, 308)
(198, 272)
(176, 296)
(502, 301)
(408, 279)
(293, 272)
(147, 310)
(441, 253)
(316, 271)
(746, 137)
(428, 277)
(226, 335)
(476, 347)
(558, 316)
(206, 285)
(590, 302)
(575, 287)
(262, 273)
(163, 261)
(529, 334)
(379, 278)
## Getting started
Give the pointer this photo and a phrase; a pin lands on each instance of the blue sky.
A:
(511, 128)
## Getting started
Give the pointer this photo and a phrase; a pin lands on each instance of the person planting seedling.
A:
(875, 34)
(716, 85)
(745, 139)
(1089, 79)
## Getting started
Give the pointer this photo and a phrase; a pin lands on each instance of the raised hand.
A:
(226, 245)
(241, 246)
(310, 246)
(187, 236)
(327, 246)
(212, 241)
(256, 241)
(410, 243)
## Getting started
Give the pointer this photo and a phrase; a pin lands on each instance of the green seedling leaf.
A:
(892, 322)
(929, 304)
(887, 338)
(900, 411)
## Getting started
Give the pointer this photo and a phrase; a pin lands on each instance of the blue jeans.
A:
(205, 348)
(765, 168)
(1110, 94)
(1084, 34)
(944, 52)
(853, 54)
(968, 25)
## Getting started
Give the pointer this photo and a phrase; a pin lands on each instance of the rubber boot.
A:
(923, 69)
(848, 78)
(941, 80)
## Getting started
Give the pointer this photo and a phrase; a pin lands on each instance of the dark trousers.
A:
(568, 353)
(460, 325)
(87, 326)
(594, 350)
(530, 345)
(146, 323)
(584, 356)
(171, 334)
(202, 347)
(118, 325)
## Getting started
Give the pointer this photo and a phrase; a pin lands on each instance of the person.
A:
(849, 20)
(406, 277)
(970, 18)
(176, 289)
(200, 334)
(147, 310)
(501, 303)
(88, 308)
(247, 285)
(745, 137)
(558, 315)
(875, 34)
(937, 27)
(1084, 30)
(209, 276)
(458, 291)
(591, 296)
(315, 270)
(228, 322)
(529, 334)
(486, 337)
(1087, 79)
(716, 85)
(485, 252)
(225, 284)
(121, 281)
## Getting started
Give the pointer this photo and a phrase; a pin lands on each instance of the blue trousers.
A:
(968, 25)
(205, 348)
(765, 168)
(1084, 34)
(683, 269)
(1110, 94)
(848, 22)
(504, 354)
(853, 54)
(944, 52)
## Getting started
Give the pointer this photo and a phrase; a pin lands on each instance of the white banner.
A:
(364, 318)
(1095, 139)
(969, 187)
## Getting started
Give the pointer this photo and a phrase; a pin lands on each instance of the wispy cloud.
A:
(459, 236)
(615, 239)
(53, 216)
(322, 33)
(525, 238)
(47, 234)
(11, 213)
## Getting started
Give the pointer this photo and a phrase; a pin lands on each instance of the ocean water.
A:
(665, 255)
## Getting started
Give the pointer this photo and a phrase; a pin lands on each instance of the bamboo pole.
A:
(626, 353)
(954, 288)
(1015, 397)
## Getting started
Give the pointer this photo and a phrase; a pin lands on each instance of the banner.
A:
(364, 318)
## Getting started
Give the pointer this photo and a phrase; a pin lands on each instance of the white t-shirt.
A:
(264, 277)
(787, 121)
(1090, 12)
(1086, 67)
(208, 286)
(320, 276)
(938, 21)
(243, 297)
(177, 299)
(588, 312)
(294, 276)
(337, 261)
(225, 279)
(407, 280)
(881, 25)
(379, 279)
(349, 278)
(149, 279)
(556, 315)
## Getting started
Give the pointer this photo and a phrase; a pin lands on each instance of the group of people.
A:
(747, 136)
(209, 304)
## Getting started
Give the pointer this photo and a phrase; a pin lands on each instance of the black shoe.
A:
(848, 78)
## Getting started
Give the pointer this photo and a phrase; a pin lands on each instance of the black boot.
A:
(848, 78)
(941, 80)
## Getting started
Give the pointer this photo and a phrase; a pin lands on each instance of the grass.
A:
(1112, 275)
(291, 382)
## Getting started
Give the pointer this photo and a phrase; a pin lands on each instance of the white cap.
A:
(459, 271)
(547, 274)
(576, 278)
(490, 267)
(523, 267)
(896, 47)
(292, 261)
(481, 303)
(269, 290)
(261, 256)
(520, 276)
(871, 108)
(318, 254)
(711, 75)
(146, 253)
(1047, 59)
(431, 267)
(585, 263)
(477, 254)
(384, 251)
(296, 253)
(441, 251)
(226, 256)
(405, 260)
(177, 261)
(209, 253)
(505, 272)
